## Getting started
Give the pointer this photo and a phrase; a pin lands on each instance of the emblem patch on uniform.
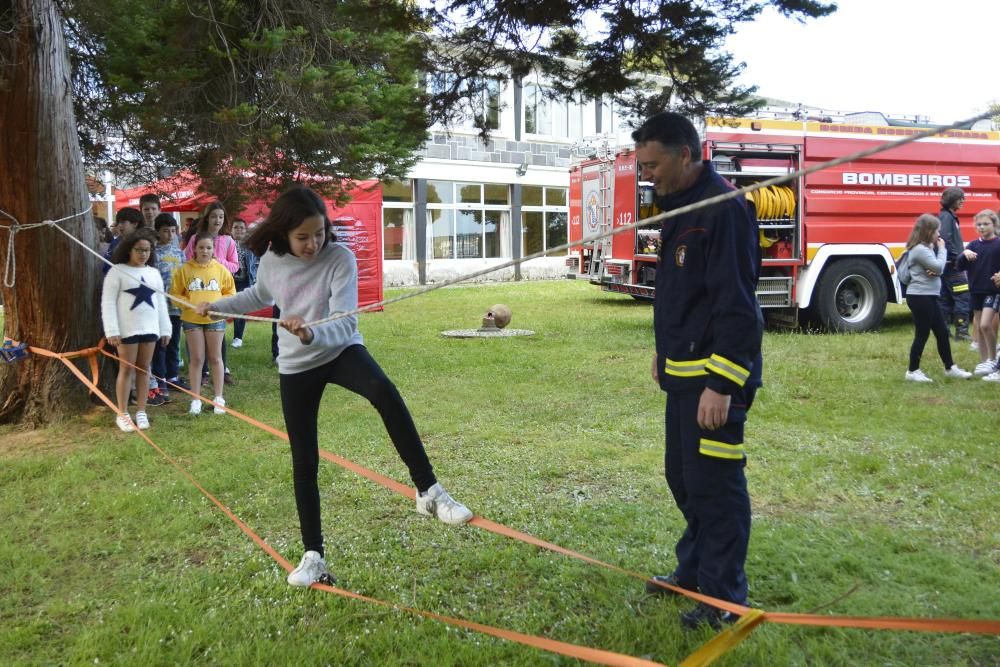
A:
(679, 255)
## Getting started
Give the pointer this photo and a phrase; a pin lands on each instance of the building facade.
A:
(470, 204)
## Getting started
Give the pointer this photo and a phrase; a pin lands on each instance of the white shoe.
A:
(142, 421)
(992, 377)
(974, 346)
(957, 373)
(195, 407)
(917, 376)
(311, 569)
(436, 502)
(124, 422)
(985, 368)
(237, 342)
(219, 404)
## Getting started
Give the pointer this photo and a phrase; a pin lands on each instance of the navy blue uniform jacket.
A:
(706, 318)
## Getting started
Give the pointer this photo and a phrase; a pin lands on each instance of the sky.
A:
(934, 59)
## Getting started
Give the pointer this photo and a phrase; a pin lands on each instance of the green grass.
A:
(858, 479)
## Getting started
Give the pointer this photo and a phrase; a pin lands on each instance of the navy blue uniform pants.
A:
(710, 490)
(954, 298)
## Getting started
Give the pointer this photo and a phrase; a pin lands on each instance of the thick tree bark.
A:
(54, 302)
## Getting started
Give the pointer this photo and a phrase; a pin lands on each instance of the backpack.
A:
(903, 269)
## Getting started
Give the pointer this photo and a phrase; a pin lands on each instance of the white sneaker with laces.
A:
(124, 422)
(917, 376)
(219, 401)
(957, 373)
(237, 342)
(311, 569)
(992, 377)
(436, 502)
(985, 367)
(142, 421)
(195, 407)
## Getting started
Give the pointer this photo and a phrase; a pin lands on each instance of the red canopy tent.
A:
(358, 223)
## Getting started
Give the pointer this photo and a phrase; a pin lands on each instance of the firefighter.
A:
(708, 329)
(954, 298)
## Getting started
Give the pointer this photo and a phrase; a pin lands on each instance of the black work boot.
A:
(653, 586)
(705, 614)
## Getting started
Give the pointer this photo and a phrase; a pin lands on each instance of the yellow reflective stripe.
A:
(691, 368)
(726, 368)
(958, 289)
(721, 450)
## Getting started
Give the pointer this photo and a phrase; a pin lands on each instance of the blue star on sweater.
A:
(141, 294)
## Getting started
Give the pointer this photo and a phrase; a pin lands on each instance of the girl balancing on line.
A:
(134, 314)
(199, 281)
(310, 277)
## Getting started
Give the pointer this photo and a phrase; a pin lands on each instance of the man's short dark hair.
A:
(672, 130)
(950, 196)
(164, 220)
(149, 198)
(129, 214)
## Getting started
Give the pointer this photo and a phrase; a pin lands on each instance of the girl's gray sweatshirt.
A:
(312, 290)
(923, 259)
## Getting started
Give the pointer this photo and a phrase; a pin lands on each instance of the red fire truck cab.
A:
(829, 240)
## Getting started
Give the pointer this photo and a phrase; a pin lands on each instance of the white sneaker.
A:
(237, 342)
(142, 421)
(917, 376)
(124, 422)
(984, 368)
(195, 407)
(974, 346)
(957, 373)
(436, 502)
(311, 569)
(992, 377)
(219, 404)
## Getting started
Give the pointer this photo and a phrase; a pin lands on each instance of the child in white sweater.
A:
(135, 317)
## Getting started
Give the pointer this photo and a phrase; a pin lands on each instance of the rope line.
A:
(10, 263)
(704, 203)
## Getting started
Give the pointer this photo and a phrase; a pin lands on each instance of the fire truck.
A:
(829, 240)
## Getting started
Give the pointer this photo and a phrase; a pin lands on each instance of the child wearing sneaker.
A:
(203, 280)
(169, 258)
(927, 261)
(977, 260)
(135, 317)
(310, 277)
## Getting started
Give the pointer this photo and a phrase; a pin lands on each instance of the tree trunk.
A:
(54, 303)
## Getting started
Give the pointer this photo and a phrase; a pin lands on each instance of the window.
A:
(544, 114)
(468, 220)
(544, 217)
(481, 106)
(398, 240)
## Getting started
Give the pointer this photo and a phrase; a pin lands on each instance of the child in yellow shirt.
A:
(203, 280)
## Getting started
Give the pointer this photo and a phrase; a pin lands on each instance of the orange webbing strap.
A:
(572, 650)
(888, 623)
(90, 353)
(597, 656)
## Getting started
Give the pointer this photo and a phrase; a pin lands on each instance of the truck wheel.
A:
(851, 296)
